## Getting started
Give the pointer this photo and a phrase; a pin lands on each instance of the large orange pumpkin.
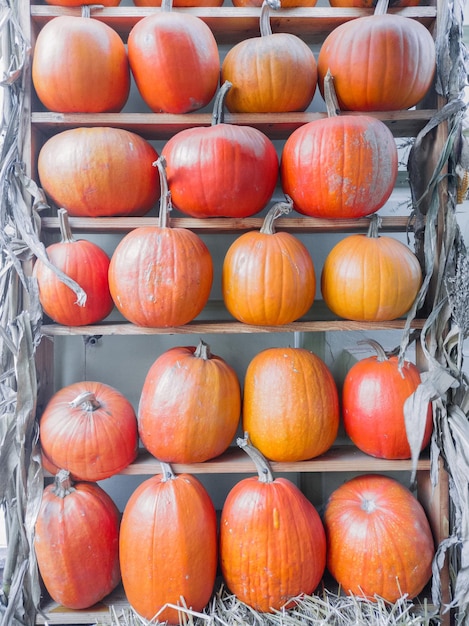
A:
(273, 73)
(373, 396)
(80, 65)
(290, 404)
(190, 405)
(268, 277)
(90, 429)
(168, 546)
(174, 60)
(76, 541)
(370, 277)
(272, 540)
(87, 171)
(379, 541)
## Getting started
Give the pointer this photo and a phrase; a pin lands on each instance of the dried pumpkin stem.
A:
(264, 19)
(167, 5)
(382, 356)
(203, 351)
(64, 226)
(63, 484)
(330, 96)
(218, 114)
(281, 208)
(86, 401)
(373, 229)
(167, 471)
(262, 465)
(381, 7)
(165, 195)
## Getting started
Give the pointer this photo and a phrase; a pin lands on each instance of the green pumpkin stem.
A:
(373, 229)
(218, 114)
(281, 208)
(167, 471)
(86, 401)
(165, 195)
(264, 19)
(203, 351)
(381, 354)
(62, 484)
(330, 96)
(381, 7)
(66, 234)
(263, 468)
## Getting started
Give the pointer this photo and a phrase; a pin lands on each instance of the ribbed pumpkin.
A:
(224, 170)
(290, 404)
(272, 540)
(88, 170)
(190, 405)
(168, 546)
(380, 62)
(76, 541)
(370, 277)
(181, 51)
(161, 276)
(273, 73)
(80, 65)
(379, 541)
(268, 277)
(373, 396)
(85, 263)
(90, 429)
(339, 167)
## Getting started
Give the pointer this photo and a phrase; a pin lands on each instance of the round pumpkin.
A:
(168, 546)
(373, 396)
(370, 277)
(268, 277)
(341, 166)
(90, 429)
(80, 65)
(273, 73)
(223, 170)
(380, 62)
(87, 171)
(181, 51)
(190, 405)
(83, 262)
(379, 541)
(290, 404)
(76, 541)
(272, 540)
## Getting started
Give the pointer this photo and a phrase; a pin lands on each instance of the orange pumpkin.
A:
(290, 405)
(370, 277)
(168, 546)
(190, 405)
(268, 277)
(80, 65)
(272, 540)
(379, 541)
(76, 541)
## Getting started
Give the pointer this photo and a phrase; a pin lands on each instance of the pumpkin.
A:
(223, 170)
(190, 405)
(76, 541)
(90, 429)
(179, 49)
(290, 404)
(268, 277)
(87, 171)
(85, 263)
(380, 62)
(379, 541)
(341, 166)
(370, 277)
(161, 276)
(273, 73)
(80, 65)
(168, 546)
(373, 396)
(272, 540)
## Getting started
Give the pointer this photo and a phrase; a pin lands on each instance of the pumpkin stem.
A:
(166, 5)
(382, 356)
(330, 96)
(281, 208)
(64, 225)
(63, 484)
(86, 401)
(202, 351)
(264, 19)
(262, 465)
(218, 114)
(375, 223)
(165, 196)
(381, 7)
(167, 471)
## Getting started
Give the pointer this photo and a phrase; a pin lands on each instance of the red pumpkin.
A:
(273, 73)
(80, 65)
(272, 541)
(290, 404)
(87, 171)
(379, 541)
(380, 62)
(89, 429)
(223, 170)
(85, 263)
(76, 541)
(373, 396)
(268, 277)
(168, 546)
(339, 167)
(161, 276)
(190, 405)
(181, 51)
